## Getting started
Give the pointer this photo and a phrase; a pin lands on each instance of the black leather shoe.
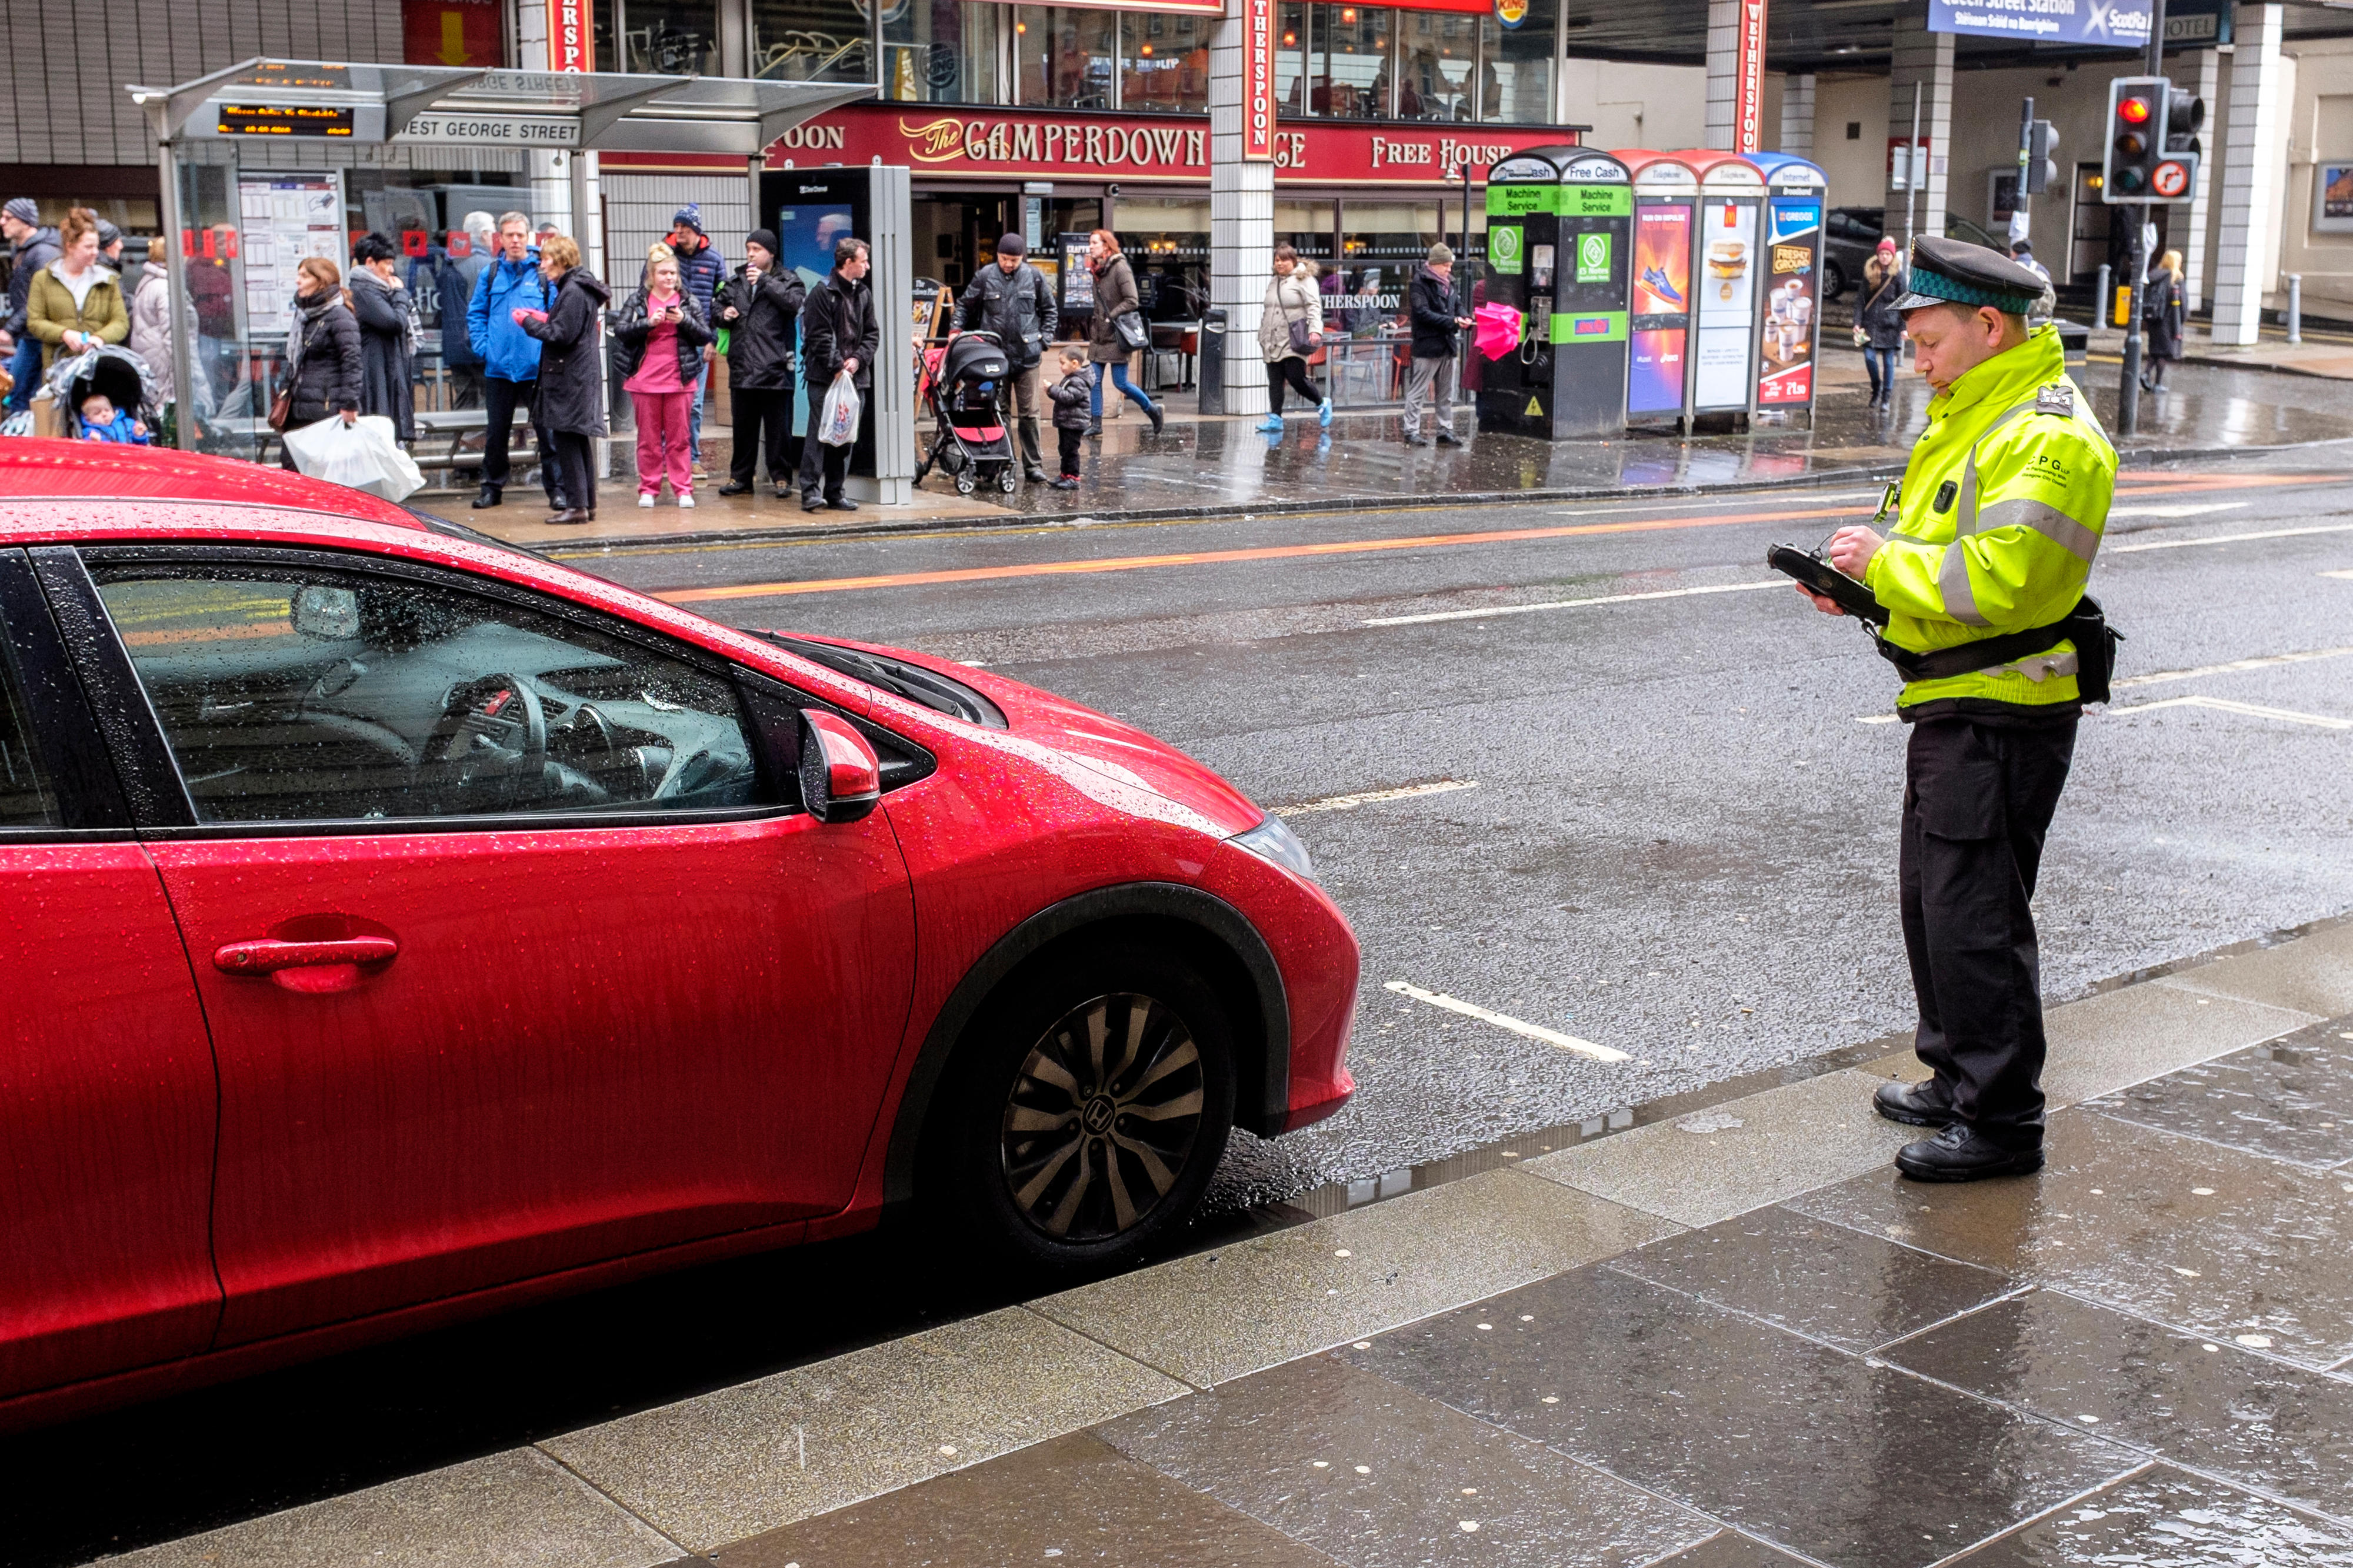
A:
(1913, 1104)
(840, 504)
(1449, 438)
(732, 488)
(569, 515)
(488, 497)
(1958, 1155)
(812, 503)
(1412, 440)
(1034, 474)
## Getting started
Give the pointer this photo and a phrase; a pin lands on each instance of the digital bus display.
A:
(283, 120)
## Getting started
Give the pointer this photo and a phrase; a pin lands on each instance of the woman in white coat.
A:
(1293, 303)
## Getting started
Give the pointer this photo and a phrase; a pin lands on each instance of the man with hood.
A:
(701, 270)
(36, 246)
(510, 355)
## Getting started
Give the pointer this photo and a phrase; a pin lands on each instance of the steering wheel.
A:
(489, 741)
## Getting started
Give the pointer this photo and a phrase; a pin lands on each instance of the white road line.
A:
(2194, 508)
(2228, 538)
(1471, 1010)
(2319, 720)
(2265, 661)
(1374, 796)
(2347, 576)
(1782, 582)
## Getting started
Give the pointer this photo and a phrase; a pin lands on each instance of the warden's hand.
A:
(1822, 602)
(1851, 549)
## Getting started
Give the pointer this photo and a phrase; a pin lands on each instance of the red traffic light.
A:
(2133, 111)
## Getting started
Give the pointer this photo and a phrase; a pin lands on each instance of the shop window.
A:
(806, 40)
(1439, 62)
(1350, 68)
(1382, 243)
(1291, 58)
(943, 51)
(1515, 65)
(1166, 243)
(1163, 62)
(1066, 59)
(669, 38)
(1307, 227)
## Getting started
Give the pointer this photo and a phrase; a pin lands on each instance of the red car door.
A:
(515, 954)
(106, 1081)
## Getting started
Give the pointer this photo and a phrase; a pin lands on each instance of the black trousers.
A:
(568, 464)
(499, 400)
(1977, 799)
(1293, 371)
(821, 464)
(764, 418)
(1071, 443)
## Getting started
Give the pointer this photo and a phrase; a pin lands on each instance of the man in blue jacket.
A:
(702, 271)
(510, 355)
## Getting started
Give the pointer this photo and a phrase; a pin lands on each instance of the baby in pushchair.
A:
(107, 394)
(101, 421)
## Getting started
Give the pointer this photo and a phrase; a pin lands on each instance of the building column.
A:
(1922, 61)
(1797, 114)
(2253, 169)
(1241, 220)
(2205, 76)
(1723, 71)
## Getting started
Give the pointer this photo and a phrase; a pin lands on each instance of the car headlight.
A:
(1272, 840)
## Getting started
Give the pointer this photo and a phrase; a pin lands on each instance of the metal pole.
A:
(2022, 204)
(2103, 308)
(175, 292)
(2296, 307)
(2129, 388)
(1914, 166)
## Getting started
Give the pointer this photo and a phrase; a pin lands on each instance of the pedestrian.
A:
(322, 352)
(1071, 396)
(1115, 296)
(454, 277)
(2001, 510)
(2021, 250)
(36, 246)
(510, 355)
(388, 330)
(570, 414)
(761, 309)
(1878, 324)
(151, 339)
(1290, 328)
(839, 333)
(109, 247)
(74, 303)
(1014, 301)
(1436, 329)
(658, 348)
(701, 270)
(2165, 311)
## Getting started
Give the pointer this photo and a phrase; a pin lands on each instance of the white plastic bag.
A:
(838, 424)
(365, 456)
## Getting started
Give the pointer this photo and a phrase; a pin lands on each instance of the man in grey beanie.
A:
(37, 247)
(1435, 329)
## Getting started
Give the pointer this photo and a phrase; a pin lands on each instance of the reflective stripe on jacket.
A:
(2025, 489)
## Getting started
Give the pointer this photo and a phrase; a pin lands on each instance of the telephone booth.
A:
(1666, 213)
(1789, 303)
(1557, 254)
(1724, 268)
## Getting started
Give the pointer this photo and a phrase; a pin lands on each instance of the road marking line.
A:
(1501, 1021)
(1218, 557)
(2201, 509)
(2264, 662)
(2347, 576)
(2229, 538)
(2319, 720)
(1374, 796)
(1567, 604)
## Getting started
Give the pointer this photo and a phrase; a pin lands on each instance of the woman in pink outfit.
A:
(660, 338)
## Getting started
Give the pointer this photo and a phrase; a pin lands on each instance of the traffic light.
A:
(2136, 116)
(2175, 177)
(2041, 170)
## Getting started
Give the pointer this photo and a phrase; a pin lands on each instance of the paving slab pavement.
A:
(1615, 1355)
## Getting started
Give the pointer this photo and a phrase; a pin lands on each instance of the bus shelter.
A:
(270, 162)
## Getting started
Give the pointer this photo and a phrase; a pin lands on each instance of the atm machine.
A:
(1724, 267)
(1789, 304)
(1666, 210)
(1557, 252)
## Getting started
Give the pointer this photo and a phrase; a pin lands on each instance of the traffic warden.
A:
(2000, 515)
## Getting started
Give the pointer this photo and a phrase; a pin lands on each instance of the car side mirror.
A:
(841, 778)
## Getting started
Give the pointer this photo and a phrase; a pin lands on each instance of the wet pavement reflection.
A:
(2167, 1518)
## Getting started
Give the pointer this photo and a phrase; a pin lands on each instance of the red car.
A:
(399, 926)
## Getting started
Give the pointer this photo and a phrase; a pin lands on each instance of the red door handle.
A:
(329, 965)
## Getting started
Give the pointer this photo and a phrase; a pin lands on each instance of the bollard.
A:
(2103, 312)
(2296, 307)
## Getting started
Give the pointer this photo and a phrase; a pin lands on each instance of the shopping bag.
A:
(365, 456)
(837, 423)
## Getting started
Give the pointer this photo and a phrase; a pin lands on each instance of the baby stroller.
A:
(112, 370)
(964, 383)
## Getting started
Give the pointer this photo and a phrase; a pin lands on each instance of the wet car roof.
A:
(75, 470)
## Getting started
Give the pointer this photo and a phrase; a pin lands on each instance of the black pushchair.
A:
(112, 370)
(964, 384)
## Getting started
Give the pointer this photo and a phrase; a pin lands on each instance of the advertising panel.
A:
(1727, 303)
(1785, 365)
(1661, 313)
(2106, 23)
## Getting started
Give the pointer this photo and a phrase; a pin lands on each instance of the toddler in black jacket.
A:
(1072, 396)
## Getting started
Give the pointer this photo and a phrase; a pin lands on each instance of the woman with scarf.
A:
(387, 318)
(1115, 296)
(571, 411)
(1878, 324)
(322, 352)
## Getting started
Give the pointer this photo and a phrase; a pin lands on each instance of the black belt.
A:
(2087, 626)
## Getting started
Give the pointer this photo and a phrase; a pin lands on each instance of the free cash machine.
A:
(1559, 254)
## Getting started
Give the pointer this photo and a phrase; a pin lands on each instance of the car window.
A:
(25, 798)
(298, 695)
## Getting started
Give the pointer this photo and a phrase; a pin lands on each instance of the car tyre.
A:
(1084, 1114)
(1833, 279)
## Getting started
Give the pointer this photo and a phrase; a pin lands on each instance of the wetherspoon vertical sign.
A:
(1748, 97)
(1258, 81)
(570, 44)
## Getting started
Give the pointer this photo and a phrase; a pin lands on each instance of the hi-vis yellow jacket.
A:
(2004, 503)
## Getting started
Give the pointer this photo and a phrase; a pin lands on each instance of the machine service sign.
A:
(1258, 81)
(2110, 23)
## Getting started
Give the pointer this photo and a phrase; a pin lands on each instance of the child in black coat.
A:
(1072, 397)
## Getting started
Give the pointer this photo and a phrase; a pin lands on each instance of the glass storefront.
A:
(1066, 57)
(1437, 54)
(1166, 240)
(669, 38)
(1163, 62)
(945, 51)
(810, 41)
